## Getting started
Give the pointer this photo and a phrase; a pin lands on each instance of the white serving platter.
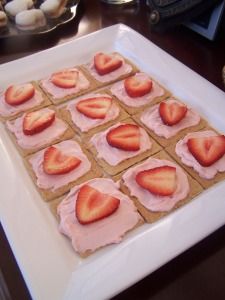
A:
(49, 265)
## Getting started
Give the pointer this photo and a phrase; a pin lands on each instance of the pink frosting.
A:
(57, 128)
(58, 92)
(119, 91)
(124, 69)
(54, 182)
(153, 121)
(9, 110)
(114, 156)
(188, 159)
(155, 202)
(103, 232)
(84, 123)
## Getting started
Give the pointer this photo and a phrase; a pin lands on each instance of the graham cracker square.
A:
(138, 104)
(47, 137)
(59, 95)
(9, 112)
(163, 141)
(205, 183)
(104, 80)
(67, 110)
(126, 163)
(49, 194)
(153, 216)
(85, 253)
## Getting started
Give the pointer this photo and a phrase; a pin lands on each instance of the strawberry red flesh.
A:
(65, 79)
(172, 113)
(92, 205)
(160, 181)
(136, 87)
(37, 121)
(207, 150)
(94, 108)
(125, 137)
(57, 163)
(18, 94)
(105, 63)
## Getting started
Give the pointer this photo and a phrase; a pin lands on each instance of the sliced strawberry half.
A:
(105, 63)
(18, 94)
(159, 181)
(136, 87)
(172, 113)
(94, 108)
(36, 121)
(125, 137)
(207, 150)
(92, 205)
(65, 79)
(57, 163)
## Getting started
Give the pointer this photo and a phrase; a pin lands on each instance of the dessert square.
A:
(66, 84)
(166, 134)
(106, 68)
(3, 20)
(121, 146)
(38, 129)
(138, 92)
(112, 224)
(12, 8)
(205, 175)
(26, 20)
(19, 98)
(56, 169)
(92, 113)
(154, 206)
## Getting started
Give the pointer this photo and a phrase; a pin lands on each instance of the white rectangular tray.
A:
(49, 265)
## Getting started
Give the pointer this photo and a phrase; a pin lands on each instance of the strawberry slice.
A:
(92, 205)
(65, 79)
(36, 121)
(172, 113)
(125, 137)
(94, 108)
(159, 181)
(207, 150)
(57, 163)
(105, 63)
(136, 87)
(18, 94)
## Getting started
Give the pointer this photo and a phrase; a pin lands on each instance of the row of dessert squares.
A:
(129, 151)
